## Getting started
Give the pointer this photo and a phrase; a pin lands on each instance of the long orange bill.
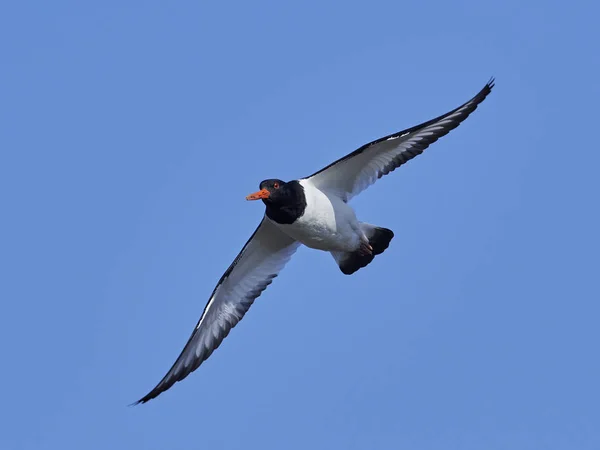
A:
(263, 193)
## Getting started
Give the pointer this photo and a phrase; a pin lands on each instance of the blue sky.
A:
(131, 133)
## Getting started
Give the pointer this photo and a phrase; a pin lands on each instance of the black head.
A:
(271, 192)
(285, 201)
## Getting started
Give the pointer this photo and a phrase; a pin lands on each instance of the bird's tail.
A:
(379, 239)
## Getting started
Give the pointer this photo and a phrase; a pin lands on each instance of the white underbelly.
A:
(327, 223)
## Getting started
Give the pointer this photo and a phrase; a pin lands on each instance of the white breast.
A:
(327, 223)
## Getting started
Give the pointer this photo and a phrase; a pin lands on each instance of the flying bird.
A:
(313, 211)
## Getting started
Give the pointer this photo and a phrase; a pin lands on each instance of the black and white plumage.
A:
(358, 170)
(313, 211)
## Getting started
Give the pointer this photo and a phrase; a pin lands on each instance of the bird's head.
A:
(272, 191)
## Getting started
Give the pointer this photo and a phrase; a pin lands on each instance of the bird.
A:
(314, 212)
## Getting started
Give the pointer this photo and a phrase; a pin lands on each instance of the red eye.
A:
(276, 185)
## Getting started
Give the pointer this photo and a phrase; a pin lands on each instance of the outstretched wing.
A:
(358, 170)
(261, 259)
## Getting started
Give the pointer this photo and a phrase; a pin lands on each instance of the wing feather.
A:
(353, 173)
(261, 259)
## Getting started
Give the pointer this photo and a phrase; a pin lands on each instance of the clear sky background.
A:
(130, 133)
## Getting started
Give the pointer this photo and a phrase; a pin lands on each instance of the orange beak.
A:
(263, 193)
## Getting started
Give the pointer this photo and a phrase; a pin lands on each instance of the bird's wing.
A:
(261, 259)
(358, 170)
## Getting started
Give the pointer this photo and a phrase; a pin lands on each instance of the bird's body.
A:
(328, 223)
(312, 211)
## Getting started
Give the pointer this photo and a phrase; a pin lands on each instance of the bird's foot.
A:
(365, 249)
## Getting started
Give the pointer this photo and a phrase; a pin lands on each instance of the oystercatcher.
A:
(313, 211)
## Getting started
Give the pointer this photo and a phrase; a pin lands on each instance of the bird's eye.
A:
(276, 185)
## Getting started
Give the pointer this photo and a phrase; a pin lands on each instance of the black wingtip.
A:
(144, 399)
(483, 93)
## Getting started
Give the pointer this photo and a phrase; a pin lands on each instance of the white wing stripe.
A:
(356, 171)
(263, 256)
